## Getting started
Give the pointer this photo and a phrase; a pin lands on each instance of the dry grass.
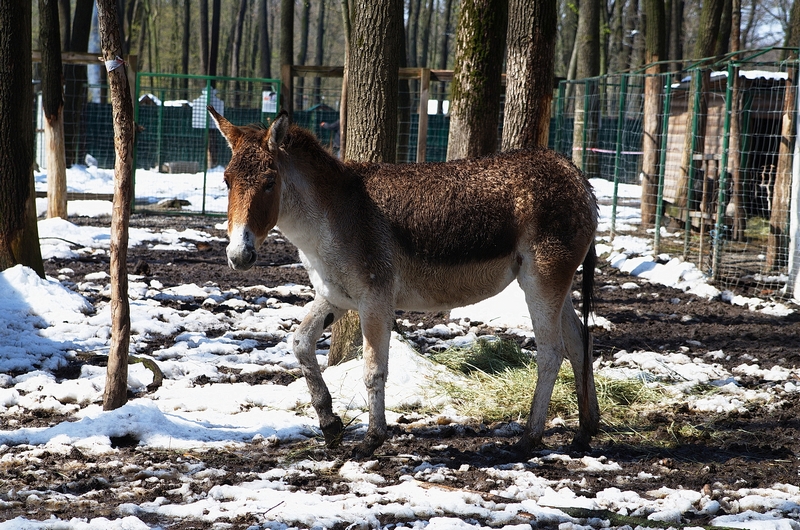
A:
(501, 380)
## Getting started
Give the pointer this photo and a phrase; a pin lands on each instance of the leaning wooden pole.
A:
(116, 392)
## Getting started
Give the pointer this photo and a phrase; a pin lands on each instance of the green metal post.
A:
(662, 164)
(698, 84)
(559, 140)
(723, 176)
(137, 88)
(160, 129)
(206, 141)
(584, 135)
(623, 89)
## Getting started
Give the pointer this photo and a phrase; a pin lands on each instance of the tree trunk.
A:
(529, 72)
(19, 236)
(204, 36)
(444, 46)
(238, 31)
(778, 239)
(287, 53)
(475, 91)
(565, 38)
(412, 31)
(425, 36)
(704, 47)
(117, 372)
(372, 81)
(75, 82)
(64, 18)
(187, 19)
(372, 86)
(655, 47)
(319, 55)
(675, 51)
(302, 53)
(587, 41)
(213, 48)
(53, 106)
(265, 52)
(724, 35)
(734, 149)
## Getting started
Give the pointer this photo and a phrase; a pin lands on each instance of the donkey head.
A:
(254, 185)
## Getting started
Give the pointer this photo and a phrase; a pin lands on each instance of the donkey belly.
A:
(421, 286)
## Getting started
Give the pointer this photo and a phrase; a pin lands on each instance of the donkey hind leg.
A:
(588, 409)
(545, 300)
(322, 315)
(376, 324)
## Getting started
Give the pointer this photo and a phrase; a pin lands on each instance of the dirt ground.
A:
(757, 448)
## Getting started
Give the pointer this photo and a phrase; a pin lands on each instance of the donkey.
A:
(426, 237)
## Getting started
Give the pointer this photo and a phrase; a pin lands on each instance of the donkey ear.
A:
(278, 130)
(228, 130)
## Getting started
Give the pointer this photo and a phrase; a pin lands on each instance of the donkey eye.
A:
(269, 184)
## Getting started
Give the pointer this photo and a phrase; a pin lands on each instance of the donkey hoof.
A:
(333, 432)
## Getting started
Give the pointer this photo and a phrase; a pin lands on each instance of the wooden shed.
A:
(760, 124)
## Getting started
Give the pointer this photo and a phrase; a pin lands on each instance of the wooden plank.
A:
(75, 196)
(70, 57)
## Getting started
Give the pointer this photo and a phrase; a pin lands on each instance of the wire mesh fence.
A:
(178, 141)
(714, 163)
(712, 149)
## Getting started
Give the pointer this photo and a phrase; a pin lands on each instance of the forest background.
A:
(241, 38)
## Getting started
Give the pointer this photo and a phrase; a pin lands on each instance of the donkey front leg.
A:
(322, 315)
(376, 323)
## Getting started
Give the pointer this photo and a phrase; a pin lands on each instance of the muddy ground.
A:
(757, 448)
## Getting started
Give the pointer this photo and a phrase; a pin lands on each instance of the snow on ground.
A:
(45, 323)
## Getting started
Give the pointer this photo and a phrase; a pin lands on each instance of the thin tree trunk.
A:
(675, 51)
(53, 106)
(238, 31)
(187, 19)
(588, 65)
(372, 67)
(319, 51)
(204, 36)
(475, 93)
(265, 52)
(117, 372)
(425, 36)
(64, 19)
(213, 50)
(778, 239)
(655, 48)
(19, 236)
(287, 52)
(734, 154)
(302, 53)
(530, 59)
(444, 46)
(704, 47)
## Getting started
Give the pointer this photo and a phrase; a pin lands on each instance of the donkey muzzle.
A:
(241, 250)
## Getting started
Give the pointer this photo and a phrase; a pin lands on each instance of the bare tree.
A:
(425, 35)
(265, 53)
(19, 236)
(53, 107)
(587, 43)
(287, 53)
(372, 89)
(444, 47)
(529, 73)
(655, 51)
(117, 371)
(475, 92)
(778, 239)
(319, 55)
(734, 154)
(302, 52)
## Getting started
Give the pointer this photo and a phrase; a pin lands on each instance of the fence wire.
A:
(715, 172)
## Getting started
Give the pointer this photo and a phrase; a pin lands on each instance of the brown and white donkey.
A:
(422, 237)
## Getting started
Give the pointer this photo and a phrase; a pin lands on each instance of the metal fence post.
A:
(723, 176)
(698, 84)
(662, 164)
(623, 88)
